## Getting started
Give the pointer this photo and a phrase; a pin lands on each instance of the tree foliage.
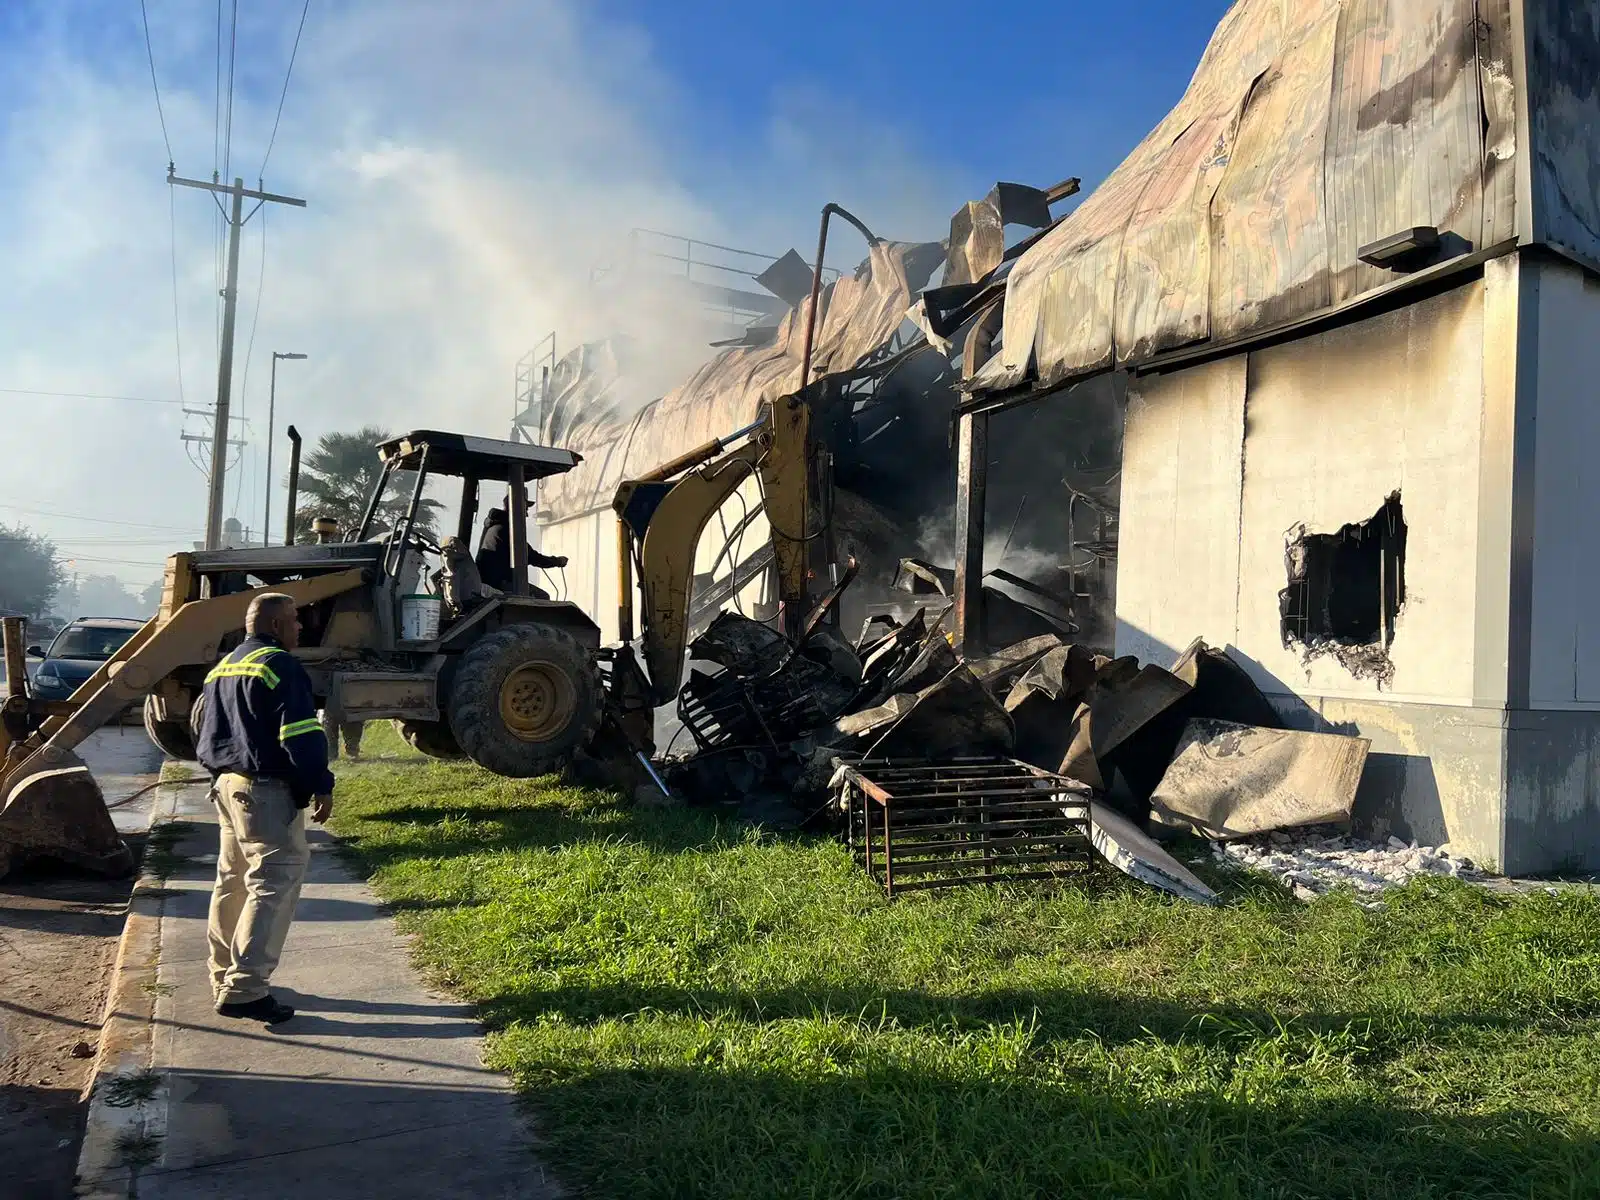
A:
(101, 596)
(337, 478)
(30, 571)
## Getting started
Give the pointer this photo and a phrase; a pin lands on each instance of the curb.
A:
(127, 1100)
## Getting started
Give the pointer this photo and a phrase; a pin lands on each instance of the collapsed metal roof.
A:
(619, 439)
(1311, 129)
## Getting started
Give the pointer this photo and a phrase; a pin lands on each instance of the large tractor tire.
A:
(175, 739)
(432, 738)
(525, 700)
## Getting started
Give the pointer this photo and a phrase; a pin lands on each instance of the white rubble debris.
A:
(1312, 863)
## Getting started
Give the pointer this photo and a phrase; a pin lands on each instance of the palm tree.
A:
(337, 478)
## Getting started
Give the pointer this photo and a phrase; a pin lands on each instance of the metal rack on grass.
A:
(920, 825)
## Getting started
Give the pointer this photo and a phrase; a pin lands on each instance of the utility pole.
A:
(272, 408)
(206, 439)
(230, 296)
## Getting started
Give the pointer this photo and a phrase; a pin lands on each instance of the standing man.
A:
(494, 552)
(262, 742)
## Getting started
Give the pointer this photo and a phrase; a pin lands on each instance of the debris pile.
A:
(1316, 862)
(895, 727)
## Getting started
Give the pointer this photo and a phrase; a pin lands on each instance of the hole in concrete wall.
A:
(1346, 590)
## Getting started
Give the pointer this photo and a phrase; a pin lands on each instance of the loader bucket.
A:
(56, 810)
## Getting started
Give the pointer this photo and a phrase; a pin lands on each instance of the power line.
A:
(88, 541)
(216, 101)
(124, 562)
(216, 176)
(177, 321)
(87, 396)
(151, 55)
(233, 53)
(46, 512)
(305, 8)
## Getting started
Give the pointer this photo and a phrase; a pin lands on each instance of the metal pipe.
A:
(469, 510)
(373, 501)
(651, 770)
(624, 583)
(397, 545)
(294, 485)
(693, 458)
(517, 527)
(828, 210)
(972, 472)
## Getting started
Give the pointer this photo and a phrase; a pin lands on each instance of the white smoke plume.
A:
(467, 167)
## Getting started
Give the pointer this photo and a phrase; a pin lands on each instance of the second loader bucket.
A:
(56, 810)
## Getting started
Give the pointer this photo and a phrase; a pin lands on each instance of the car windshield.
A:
(89, 641)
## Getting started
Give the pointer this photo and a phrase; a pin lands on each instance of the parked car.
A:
(77, 652)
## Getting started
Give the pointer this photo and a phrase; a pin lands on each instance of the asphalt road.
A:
(125, 764)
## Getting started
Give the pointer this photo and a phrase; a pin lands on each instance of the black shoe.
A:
(265, 1009)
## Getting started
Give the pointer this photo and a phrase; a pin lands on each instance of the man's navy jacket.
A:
(260, 720)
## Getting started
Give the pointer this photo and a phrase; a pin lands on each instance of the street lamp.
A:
(272, 406)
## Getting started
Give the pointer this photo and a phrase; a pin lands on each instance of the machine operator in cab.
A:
(494, 552)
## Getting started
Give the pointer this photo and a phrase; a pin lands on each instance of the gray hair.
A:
(265, 609)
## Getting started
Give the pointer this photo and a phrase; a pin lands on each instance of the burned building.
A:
(1353, 281)
(1304, 377)
(882, 399)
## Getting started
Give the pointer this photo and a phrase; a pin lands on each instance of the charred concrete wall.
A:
(1228, 464)
(1565, 646)
(1474, 410)
(1052, 504)
(1225, 465)
(1553, 791)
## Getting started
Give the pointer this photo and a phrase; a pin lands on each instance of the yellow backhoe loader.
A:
(659, 522)
(517, 683)
(509, 679)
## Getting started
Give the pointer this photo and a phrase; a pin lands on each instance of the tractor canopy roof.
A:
(481, 458)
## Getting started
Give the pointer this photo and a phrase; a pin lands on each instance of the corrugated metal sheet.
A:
(859, 313)
(1406, 137)
(1497, 83)
(1310, 129)
(1563, 41)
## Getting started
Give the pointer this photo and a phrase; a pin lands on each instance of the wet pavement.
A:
(376, 1087)
(126, 765)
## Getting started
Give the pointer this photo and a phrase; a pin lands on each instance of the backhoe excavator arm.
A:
(184, 634)
(50, 804)
(661, 522)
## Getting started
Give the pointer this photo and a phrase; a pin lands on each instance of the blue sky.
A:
(1031, 92)
(467, 166)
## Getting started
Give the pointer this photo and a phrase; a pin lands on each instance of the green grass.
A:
(697, 1009)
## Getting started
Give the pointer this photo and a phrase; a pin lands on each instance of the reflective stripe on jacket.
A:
(260, 720)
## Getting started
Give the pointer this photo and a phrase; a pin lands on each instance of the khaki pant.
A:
(261, 864)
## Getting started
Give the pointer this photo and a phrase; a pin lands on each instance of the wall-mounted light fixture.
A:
(1404, 251)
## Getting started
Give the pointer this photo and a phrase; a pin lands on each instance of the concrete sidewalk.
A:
(375, 1088)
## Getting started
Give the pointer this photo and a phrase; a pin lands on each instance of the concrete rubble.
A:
(1312, 863)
